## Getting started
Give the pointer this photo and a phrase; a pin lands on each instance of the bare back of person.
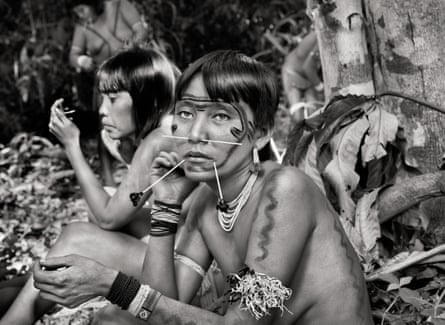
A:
(327, 283)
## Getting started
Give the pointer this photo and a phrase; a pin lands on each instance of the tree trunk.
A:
(344, 55)
(407, 41)
(408, 45)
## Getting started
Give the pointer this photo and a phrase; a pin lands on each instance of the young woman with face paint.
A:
(270, 229)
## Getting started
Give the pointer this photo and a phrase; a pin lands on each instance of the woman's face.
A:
(116, 112)
(85, 13)
(228, 127)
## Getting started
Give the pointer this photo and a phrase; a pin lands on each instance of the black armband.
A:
(123, 290)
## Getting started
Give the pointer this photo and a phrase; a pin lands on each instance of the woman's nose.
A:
(198, 131)
(103, 107)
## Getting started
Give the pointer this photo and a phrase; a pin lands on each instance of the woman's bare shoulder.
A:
(287, 177)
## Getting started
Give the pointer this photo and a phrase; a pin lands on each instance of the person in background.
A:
(104, 28)
(301, 78)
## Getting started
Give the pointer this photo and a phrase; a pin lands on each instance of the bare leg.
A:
(9, 289)
(113, 249)
(113, 315)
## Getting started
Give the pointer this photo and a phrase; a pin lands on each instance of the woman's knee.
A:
(75, 238)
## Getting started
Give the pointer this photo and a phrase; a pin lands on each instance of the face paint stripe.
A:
(236, 132)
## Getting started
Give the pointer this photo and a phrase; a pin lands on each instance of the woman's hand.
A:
(62, 127)
(175, 187)
(72, 280)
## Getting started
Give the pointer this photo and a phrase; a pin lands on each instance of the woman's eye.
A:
(112, 98)
(221, 117)
(185, 115)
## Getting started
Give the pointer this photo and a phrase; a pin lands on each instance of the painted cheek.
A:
(174, 128)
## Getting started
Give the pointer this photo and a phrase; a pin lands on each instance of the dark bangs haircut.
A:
(233, 77)
(98, 5)
(149, 77)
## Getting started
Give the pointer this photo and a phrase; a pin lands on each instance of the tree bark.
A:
(400, 197)
(407, 41)
(343, 52)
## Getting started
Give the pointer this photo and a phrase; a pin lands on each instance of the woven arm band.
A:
(138, 299)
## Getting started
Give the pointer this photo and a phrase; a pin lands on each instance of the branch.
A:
(413, 258)
(413, 99)
(400, 197)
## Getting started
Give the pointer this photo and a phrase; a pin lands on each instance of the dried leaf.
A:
(382, 129)
(340, 172)
(367, 222)
(309, 165)
(411, 297)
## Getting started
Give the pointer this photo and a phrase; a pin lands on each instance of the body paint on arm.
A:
(269, 213)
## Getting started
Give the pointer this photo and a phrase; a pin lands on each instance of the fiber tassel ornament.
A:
(257, 292)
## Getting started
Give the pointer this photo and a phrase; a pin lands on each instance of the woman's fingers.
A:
(171, 157)
(57, 103)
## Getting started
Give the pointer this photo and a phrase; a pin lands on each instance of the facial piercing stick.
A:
(135, 197)
(205, 140)
(69, 112)
(222, 205)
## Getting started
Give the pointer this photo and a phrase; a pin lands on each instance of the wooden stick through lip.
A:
(205, 140)
(136, 196)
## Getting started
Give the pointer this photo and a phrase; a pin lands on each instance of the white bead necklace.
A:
(228, 217)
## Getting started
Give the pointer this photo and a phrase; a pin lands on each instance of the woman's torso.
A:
(107, 34)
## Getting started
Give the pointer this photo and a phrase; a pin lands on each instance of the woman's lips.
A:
(195, 156)
(109, 127)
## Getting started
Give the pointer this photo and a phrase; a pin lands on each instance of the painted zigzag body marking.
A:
(264, 239)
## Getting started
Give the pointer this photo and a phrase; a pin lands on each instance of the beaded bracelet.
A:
(164, 218)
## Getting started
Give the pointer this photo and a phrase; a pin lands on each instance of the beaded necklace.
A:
(227, 216)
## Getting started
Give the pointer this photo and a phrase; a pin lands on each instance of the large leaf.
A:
(340, 172)
(367, 223)
(299, 140)
(382, 129)
(309, 165)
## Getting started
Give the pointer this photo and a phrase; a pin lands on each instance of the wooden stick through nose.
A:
(204, 140)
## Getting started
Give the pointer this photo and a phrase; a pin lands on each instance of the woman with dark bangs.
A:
(137, 91)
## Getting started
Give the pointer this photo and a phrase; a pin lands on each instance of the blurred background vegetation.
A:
(35, 38)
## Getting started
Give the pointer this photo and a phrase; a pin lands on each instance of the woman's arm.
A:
(166, 213)
(116, 211)
(133, 19)
(78, 57)
(108, 212)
